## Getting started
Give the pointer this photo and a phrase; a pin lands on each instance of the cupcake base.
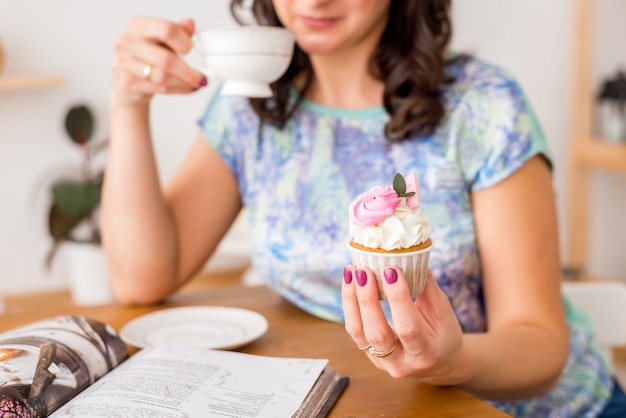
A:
(413, 263)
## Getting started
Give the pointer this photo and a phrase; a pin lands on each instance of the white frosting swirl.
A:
(405, 228)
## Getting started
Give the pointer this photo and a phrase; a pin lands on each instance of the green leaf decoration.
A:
(77, 198)
(399, 185)
(79, 124)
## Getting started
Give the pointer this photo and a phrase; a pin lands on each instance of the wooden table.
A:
(292, 333)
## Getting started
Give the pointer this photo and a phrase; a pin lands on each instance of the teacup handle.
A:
(196, 43)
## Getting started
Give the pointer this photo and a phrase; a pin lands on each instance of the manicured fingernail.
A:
(361, 277)
(391, 275)
(203, 82)
(347, 275)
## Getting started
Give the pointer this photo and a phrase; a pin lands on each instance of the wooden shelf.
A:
(17, 82)
(587, 152)
(601, 154)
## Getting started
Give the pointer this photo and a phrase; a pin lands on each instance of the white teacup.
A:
(246, 58)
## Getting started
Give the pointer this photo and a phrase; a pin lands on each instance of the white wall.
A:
(74, 38)
(608, 190)
(530, 39)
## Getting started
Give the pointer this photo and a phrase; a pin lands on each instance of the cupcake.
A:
(388, 229)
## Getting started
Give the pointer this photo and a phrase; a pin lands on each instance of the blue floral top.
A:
(297, 183)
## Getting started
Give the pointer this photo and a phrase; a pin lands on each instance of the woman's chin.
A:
(317, 46)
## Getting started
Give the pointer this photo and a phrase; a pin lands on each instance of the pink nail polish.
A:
(203, 82)
(347, 275)
(391, 275)
(361, 277)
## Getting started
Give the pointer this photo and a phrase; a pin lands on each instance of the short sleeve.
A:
(214, 125)
(499, 131)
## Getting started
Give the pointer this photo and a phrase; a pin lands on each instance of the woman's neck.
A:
(342, 79)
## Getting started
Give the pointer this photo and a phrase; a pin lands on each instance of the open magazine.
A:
(79, 367)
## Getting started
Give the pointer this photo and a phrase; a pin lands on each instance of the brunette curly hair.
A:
(410, 58)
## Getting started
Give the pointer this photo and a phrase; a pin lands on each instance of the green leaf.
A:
(61, 223)
(77, 198)
(79, 124)
(399, 185)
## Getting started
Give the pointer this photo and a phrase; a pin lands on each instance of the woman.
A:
(371, 91)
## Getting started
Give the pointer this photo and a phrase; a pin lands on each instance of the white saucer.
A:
(213, 327)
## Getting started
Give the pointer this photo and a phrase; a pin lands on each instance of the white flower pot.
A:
(86, 271)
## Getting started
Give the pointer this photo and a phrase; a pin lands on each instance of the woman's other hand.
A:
(426, 333)
(147, 60)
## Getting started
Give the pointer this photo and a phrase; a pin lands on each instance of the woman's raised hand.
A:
(426, 337)
(147, 60)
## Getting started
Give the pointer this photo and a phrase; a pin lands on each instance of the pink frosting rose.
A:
(374, 206)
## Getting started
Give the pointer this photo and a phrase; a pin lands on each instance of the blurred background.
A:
(73, 40)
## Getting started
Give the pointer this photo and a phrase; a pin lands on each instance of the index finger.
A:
(351, 310)
(171, 35)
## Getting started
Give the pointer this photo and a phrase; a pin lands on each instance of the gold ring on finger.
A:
(364, 348)
(380, 354)
(147, 71)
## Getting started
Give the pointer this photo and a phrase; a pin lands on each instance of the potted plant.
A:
(73, 220)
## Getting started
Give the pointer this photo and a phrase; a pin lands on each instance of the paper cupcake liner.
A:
(413, 264)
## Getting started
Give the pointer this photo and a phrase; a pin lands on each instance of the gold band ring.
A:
(364, 348)
(147, 71)
(381, 354)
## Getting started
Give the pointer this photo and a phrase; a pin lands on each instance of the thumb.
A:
(188, 26)
(431, 288)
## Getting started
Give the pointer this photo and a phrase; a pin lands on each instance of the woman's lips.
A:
(317, 23)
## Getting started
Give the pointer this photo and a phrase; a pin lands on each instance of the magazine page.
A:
(175, 381)
(46, 363)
